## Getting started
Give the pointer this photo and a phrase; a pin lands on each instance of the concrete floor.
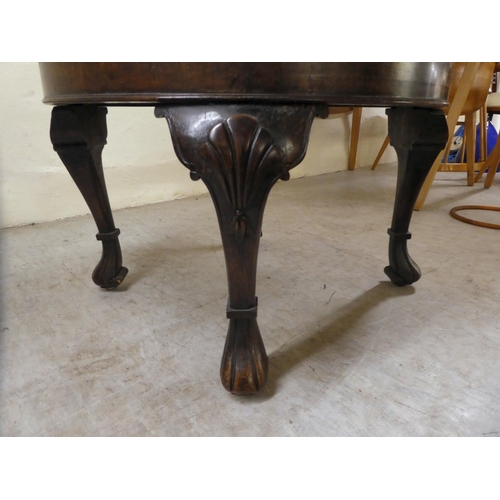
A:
(350, 354)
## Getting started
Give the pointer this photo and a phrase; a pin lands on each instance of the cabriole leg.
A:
(78, 134)
(240, 151)
(418, 135)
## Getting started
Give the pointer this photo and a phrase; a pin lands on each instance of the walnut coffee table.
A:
(240, 127)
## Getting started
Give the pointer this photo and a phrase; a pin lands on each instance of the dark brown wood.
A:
(347, 84)
(417, 135)
(240, 127)
(240, 152)
(78, 134)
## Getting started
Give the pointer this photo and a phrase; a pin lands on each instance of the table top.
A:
(336, 84)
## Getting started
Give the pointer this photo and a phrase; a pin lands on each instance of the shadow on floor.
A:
(291, 354)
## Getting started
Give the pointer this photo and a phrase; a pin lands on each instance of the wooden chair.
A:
(468, 92)
(492, 108)
(381, 152)
(355, 127)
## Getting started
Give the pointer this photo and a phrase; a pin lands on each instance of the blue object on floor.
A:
(458, 144)
(491, 139)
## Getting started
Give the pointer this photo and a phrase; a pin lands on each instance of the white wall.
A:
(139, 161)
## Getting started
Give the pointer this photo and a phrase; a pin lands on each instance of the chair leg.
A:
(428, 182)
(492, 163)
(355, 128)
(381, 152)
(453, 114)
(483, 134)
(470, 146)
(484, 145)
(448, 148)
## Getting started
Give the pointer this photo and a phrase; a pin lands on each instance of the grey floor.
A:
(350, 354)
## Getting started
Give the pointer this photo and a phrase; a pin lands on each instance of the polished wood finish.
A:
(468, 90)
(474, 89)
(478, 89)
(418, 135)
(240, 127)
(347, 84)
(453, 114)
(78, 134)
(240, 152)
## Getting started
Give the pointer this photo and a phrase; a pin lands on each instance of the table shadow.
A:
(286, 357)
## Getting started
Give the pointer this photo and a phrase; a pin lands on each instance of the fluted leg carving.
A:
(78, 134)
(418, 135)
(240, 152)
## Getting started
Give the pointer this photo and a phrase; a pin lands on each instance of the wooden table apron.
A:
(240, 127)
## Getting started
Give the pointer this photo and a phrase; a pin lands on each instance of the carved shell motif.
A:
(243, 157)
